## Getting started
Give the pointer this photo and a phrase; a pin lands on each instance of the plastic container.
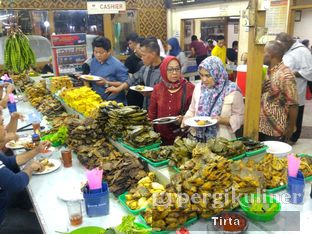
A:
(295, 188)
(245, 205)
(141, 149)
(97, 204)
(12, 107)
(154, 164)
(88, 230)
(187, 223)
(238, 157)
(122, 199)
(241, 78)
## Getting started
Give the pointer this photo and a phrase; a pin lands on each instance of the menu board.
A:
(69, 52)
(174, 3)
(276, 17)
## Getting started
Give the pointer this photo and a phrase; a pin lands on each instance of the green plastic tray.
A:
(154, 164)
(238, 157)
(279, 188)
(187, 223)
(141, 149)
(176, 169)
(122, 199)
(143, 226)
(256, 152)
(88, 230)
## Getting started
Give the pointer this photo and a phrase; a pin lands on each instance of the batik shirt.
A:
(275, 103)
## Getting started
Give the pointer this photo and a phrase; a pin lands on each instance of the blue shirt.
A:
(10, 181)
(112, 70)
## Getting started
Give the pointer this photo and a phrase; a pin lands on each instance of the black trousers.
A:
(264, 137)
(200, 58)
(296, 135)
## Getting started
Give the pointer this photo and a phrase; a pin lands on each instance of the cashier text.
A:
(215, 200)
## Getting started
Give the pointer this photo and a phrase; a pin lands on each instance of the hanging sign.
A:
(105, 7)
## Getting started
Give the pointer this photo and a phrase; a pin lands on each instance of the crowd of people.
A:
(282, 101)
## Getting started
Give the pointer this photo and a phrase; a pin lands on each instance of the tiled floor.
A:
(304, 145)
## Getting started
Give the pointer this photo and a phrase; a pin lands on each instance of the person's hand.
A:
(266, 86)
(113, 89)
(16, 116)
(102, 82)
(12, 136)
(43, 145)
(10, 88)
(36, 166)
(179, 120)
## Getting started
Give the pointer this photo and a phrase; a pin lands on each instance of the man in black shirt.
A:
(231, 53)
(134, 63)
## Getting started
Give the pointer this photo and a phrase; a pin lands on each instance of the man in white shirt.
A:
(299, 59)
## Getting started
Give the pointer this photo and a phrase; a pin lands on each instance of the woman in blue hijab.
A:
(174, 49)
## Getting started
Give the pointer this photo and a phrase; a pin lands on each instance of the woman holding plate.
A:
(217, 97)
(170, 98)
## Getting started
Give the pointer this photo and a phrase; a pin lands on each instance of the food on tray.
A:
(36, 93)
(122, 171)
(250, 144)
(161, 154)
(168, 213)
(50, 107)
(258, 206)
(29, 145)
(139, 87)
(60, 82)
(46, 163)
(142, 195)
(83, 100)
(202, 122)
(226, 148)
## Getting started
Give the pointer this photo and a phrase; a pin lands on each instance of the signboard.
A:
(175, 3)
(69, 52)
(276, 17)
(105, 7)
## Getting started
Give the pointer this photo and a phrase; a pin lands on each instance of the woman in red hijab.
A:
(171, 97)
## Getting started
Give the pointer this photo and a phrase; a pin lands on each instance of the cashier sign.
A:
(105, 7)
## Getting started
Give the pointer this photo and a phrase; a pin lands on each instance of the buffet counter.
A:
(53, 216)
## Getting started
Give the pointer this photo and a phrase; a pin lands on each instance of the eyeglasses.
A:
(173, 69)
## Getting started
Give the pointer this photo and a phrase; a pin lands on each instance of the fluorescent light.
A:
(234, 17)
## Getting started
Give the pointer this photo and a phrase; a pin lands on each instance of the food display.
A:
(50, 107)
(226, 148)
(250, 144)
(60, 82)
(274, 169)
(61, 119)
(182, 151)
(168, 213)
(18, 54)
(83, 99)
(161, 154)
(59, 137)
(140, 136)
(83, 132)
(141, 196)
(36, 93)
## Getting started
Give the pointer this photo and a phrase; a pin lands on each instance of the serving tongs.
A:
(165, 120)
(24, 129)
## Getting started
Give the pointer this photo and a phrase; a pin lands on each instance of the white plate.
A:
(69, 192)
(91, 77)
(278, 148)
(145, 89)
(165, 120)
(47, 75)
(19, 144)
(192, 122)
(57, 164)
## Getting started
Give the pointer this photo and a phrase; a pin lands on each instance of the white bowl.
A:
(47, 154)
(278, 148)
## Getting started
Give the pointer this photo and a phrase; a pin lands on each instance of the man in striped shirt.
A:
(279, 101)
